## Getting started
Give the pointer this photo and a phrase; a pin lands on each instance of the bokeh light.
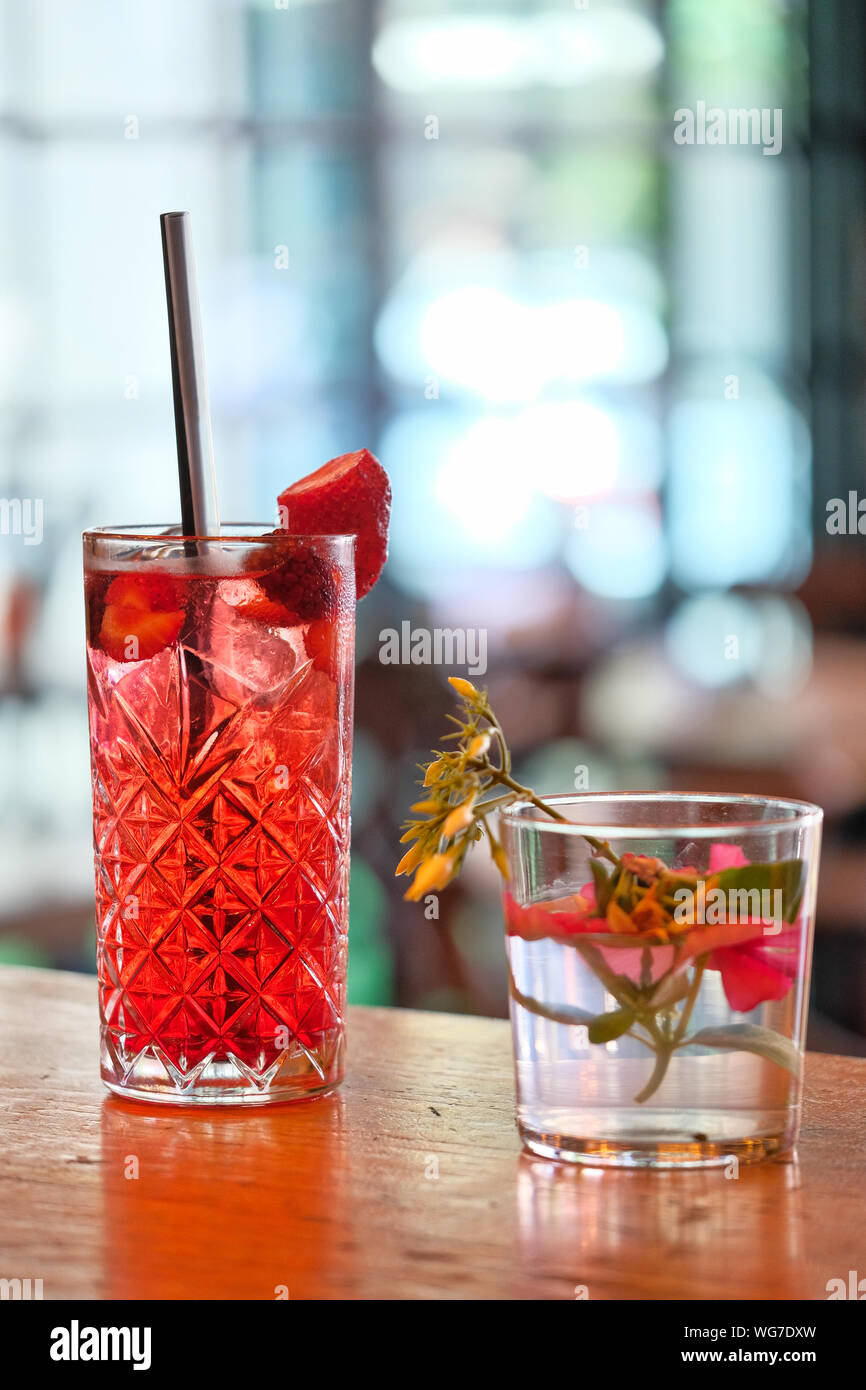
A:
(620, 553)
(507, 52)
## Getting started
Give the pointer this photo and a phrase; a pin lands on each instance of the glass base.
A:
(666, 1151)
(151, 1077)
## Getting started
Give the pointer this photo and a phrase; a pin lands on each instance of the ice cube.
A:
(243, 658)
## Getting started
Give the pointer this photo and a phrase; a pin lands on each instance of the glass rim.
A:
(148, 532)
(803, 813)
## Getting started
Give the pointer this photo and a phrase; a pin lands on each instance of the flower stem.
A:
(691, 1000)
(667, 1046)
(663, 1057)
(504, 778)
(562, 1013)
(504, 750)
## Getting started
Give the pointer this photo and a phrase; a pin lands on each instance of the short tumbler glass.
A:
(653, 1045)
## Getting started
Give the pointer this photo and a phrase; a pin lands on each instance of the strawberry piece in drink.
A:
(294, 585)
(142, 615)
(321, 644)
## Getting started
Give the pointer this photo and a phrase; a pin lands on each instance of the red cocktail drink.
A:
(220, 678)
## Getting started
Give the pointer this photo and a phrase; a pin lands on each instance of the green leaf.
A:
(795, 907)
(748, 1037)
(785, 875)
(605, 1027)
(603, 884)
(557, 1013)
(624, 893)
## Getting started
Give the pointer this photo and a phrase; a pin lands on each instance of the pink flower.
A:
(754, 965)
(726, 857)
(558, 917)
(751, 974)
(761, 968)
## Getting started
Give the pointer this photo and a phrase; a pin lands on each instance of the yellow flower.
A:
(464, 688)
(426, 806)
(435, 771)
(434, 873)
(499, 859)
(459, 818)
(617, 920)
(649, 915)
(411, 859)
(479, 746)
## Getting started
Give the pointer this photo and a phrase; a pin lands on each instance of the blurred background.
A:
(616, 381)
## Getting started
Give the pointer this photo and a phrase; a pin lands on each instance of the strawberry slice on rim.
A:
(350, 495)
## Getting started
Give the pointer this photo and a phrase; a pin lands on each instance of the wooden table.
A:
(409, 1182)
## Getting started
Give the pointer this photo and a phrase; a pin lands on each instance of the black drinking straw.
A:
(195, 464)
